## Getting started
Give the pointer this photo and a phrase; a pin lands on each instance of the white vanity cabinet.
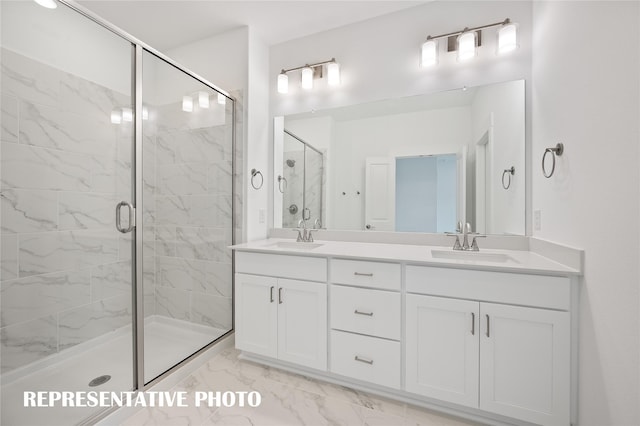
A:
(497, 343)
(280, 317)
(365, 305)
(503, 358)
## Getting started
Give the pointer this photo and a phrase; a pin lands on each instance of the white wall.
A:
(236, 60)
(586, 94)
(67, 41)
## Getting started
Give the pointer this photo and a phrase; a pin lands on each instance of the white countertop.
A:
(519, 261)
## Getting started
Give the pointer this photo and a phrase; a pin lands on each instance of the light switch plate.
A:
(537, 220)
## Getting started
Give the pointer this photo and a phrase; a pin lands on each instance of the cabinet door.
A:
(442, 348)
(302, 323)
(524, 363)
(256, 314)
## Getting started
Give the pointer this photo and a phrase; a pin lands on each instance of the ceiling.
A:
(167, 24)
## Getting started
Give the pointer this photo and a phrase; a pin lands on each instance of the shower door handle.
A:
(306, 213)
(132, 217)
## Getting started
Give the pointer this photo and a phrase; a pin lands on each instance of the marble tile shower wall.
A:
(65, 275)
(193, 216)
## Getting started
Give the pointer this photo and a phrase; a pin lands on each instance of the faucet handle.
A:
(474, 243)
(456, 244)
(459, 227)
(309, 236)
(299, 239)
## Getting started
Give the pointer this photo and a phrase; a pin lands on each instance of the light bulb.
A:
(203, 99)
(283, 83)
(429, 53)
(127, 114)
(333, 73)
(307, 78)
(116, 116)
(187, 103)
(49, 4)
(221, 99)
(507, 38)
(466, 46)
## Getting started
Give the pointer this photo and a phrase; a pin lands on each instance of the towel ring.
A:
(282, 186)
(508, 173)
(558, 150)
(255, 173)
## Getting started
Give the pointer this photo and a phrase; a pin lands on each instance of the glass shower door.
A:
(66, 161)
(313, 183)
(187, 214)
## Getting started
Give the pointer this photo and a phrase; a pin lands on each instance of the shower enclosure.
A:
(302, 184)
(116, 211)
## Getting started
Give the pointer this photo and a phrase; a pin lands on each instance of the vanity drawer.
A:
(521, 289)
(366, 358)
(365, 311)
(286, 266)
(366, 274)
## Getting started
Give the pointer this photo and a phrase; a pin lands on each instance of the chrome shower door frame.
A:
(138, 47)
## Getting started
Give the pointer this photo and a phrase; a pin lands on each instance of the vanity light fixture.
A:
(507, 37)
(49, 4)
(203, 99)
(187, 103)
(309, 72)
(307, 78)
(466, 42)
(283, 82)
(429, 55)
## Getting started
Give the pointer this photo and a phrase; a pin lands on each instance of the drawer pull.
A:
(365, 360)
(368, 314)
(488, 326)
(280, 295)
(271, 294)
(362, 274)
(473, 324)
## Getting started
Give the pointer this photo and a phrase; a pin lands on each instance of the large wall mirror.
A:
(415, 164)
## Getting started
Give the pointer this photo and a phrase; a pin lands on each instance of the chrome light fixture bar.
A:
(309, 73)
(466, 42)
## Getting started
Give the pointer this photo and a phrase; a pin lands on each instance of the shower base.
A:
(167, 342)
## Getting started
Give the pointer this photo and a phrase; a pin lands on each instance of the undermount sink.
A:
(476, 256)
(295, 245)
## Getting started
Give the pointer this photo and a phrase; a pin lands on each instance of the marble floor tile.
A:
(288, 399)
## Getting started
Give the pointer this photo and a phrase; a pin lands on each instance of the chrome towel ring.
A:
(558, 150)
(508, 173)
(255, 173)
(282, 184)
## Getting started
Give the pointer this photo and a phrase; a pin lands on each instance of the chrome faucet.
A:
(304, 234)
(465, 230)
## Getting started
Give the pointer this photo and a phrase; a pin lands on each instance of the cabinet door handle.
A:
(362, 274)
(280, 295)
(365, 360)
(488, 326)
(357, 312)
(271, 294)
(473, 324)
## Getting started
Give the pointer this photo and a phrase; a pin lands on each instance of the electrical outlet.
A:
(537, 220)
(262, 213)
